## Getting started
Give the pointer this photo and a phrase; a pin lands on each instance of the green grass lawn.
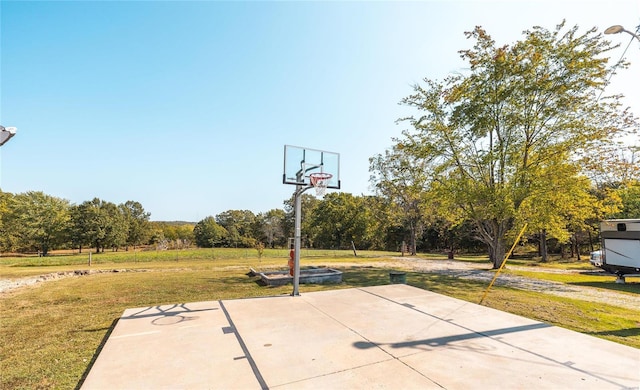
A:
(51, 332)
(16, 267)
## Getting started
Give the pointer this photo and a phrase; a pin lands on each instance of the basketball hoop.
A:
(320, 181)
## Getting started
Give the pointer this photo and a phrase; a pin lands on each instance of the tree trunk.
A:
(497, 252)
(413, 239)
(543, 246)
(573, 246)
(492, 233)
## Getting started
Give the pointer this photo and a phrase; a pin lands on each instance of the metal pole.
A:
(296, 240)
(296, 237)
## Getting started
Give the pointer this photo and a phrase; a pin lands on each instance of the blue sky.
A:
(186, 106)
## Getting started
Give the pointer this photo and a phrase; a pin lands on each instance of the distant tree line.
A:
(35, 222)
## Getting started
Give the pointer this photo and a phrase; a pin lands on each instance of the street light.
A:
(6, 133)
(618, 29)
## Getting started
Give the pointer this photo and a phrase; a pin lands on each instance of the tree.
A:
(403, 179)
(117, 226)
(137, 219)
(271, 227)
(90, 224)
(239, 225)
(7, 222)
(208, 234)
(184, 234)
(338, 220)
(630, 197)
(614, 165)
(497, 135)
(383, 232)
(177, 234)
(37, 221)
(308, 203)
(562, 208)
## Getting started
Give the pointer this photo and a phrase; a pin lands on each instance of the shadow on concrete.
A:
(443, 341)
(158, 311)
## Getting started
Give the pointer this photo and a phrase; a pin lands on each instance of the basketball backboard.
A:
(300, 162)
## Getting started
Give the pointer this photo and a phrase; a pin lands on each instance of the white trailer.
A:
(620, 247)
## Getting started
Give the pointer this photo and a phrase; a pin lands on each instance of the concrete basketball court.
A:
(383, 337)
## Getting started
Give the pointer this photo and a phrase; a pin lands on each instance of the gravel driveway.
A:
(474, 271)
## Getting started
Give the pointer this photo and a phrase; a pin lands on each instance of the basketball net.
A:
(320, 181)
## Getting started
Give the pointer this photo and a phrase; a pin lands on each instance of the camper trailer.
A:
(620, 247)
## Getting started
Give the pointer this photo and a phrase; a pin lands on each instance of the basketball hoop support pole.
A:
(296, 238)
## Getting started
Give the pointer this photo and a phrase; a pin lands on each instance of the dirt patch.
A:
(10, 284)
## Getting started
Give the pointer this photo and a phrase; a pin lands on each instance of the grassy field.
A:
(16, 267)
(51, 332)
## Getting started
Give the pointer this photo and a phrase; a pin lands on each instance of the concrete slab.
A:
(385, 337)
(186, 346)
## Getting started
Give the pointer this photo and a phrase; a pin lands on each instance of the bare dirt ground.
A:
(460, 269)
(11, 284)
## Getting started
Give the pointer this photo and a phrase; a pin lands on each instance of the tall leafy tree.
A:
(614, 165)
(308, 204)
(208, 234)
(137, 219)
(494, 135)
(630, 197)
(173, 230)
(340, 219)
(384, 232)
(239, 225)
(90, 224)
(403, 179)
(38, 221)
(7, 222)
(117, 228)
(270, 226)
(562, 208)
